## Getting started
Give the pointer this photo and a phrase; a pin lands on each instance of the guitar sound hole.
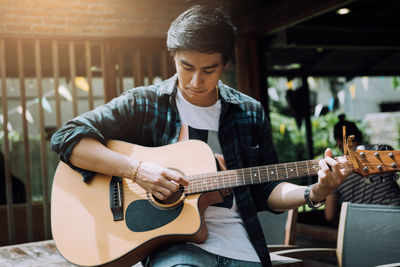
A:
(171, 199)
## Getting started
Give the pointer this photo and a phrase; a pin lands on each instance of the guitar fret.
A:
(308, 170)
(277, 173)
(287, 174)
(259, 175)
(272, 173)
(297, 171)
(254, 175)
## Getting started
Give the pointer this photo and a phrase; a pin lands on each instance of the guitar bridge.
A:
(116, 198)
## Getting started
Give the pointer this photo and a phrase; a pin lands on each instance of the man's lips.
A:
(196, 90)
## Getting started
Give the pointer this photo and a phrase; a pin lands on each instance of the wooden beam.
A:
(246, 55)
(332, 73)
(274, 16)
(43, 154)
(27, 161)
(72, 70)
(8, 181)
(121, 88)
(109, 60)
(56, 76)
(88, 56)
(137, 68)
(316, 37)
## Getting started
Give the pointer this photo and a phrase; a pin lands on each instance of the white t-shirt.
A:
(226, 233)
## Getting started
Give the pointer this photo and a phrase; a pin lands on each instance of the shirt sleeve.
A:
(267, 156)
(105, 122)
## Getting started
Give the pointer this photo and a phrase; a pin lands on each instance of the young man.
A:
(196, 104)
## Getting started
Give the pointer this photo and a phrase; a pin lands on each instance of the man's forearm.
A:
(286, 196)
(89, 154)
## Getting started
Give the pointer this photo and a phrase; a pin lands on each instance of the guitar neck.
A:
(248, 176)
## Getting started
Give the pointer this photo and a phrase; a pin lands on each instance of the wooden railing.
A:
(84, 73)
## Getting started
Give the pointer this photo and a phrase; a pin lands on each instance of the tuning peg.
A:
(376, 154)
(393, 165)
(391, 155)
(380, 167)
(362, 154)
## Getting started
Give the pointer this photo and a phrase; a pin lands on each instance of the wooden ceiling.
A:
(309, 38)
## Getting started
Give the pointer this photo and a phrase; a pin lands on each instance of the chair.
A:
(368, 235)
(279, 229)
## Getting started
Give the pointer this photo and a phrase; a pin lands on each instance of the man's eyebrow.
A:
(216, 64)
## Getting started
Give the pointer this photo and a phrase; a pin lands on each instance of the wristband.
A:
(310, 203)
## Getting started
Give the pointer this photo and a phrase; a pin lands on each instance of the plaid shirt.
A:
(148, 116)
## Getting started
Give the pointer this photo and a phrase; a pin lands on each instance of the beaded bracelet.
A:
(136, 171)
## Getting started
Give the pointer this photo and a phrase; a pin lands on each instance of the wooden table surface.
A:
(45, 253)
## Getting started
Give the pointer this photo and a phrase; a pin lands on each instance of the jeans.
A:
(192, 256)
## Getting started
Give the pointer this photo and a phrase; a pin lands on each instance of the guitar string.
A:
(213, 181)
(218, 177)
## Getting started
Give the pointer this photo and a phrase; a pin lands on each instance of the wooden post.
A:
(8, 181)
(27, 161)
(56, 76)
(247, 66)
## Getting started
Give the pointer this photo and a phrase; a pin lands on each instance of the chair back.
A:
(279, 229)
(368, 235)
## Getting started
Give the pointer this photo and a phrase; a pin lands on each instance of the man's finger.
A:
(170, 185)
(328, 152)
(334, 165)
(324, 166)
(174, 176)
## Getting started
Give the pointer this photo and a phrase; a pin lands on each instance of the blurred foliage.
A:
(396, 83)
(290, 141)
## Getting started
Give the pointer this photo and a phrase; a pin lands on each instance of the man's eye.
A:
(187, 69)
(208, 71)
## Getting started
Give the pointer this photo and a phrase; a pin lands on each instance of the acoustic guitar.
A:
(113, 221)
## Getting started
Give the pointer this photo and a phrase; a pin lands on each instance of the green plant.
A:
(289, 140)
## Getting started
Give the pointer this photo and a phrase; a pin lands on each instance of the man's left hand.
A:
(332, 173)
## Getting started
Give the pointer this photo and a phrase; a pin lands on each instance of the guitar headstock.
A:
(368, 162)
(374, 162)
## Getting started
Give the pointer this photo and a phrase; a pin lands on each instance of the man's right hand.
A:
(159, 181)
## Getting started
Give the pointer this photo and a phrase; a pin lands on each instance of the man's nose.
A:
(197, 80)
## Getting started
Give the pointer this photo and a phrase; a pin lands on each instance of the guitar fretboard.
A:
(247, 176)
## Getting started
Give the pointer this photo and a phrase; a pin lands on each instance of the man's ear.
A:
(226, 65)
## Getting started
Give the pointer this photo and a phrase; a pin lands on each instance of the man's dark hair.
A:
(351, 129)
(203, 29)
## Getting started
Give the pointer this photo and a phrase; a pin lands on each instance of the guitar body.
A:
(82, 223)
(113, 221)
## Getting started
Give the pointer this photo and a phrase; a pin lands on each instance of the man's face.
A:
(198, 75)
